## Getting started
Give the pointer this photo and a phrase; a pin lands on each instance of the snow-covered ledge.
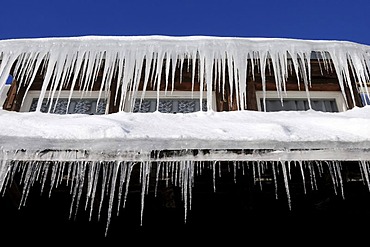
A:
(353, 154)
(303, 135)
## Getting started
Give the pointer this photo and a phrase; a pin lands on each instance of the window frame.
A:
(35, 94)
(169, 95)
(336, 95)
(365, 95)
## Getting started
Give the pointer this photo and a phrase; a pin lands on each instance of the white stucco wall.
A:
(3, 95)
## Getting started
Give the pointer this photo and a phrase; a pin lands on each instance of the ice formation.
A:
(77, 61)
(107, 183)
(68, 58)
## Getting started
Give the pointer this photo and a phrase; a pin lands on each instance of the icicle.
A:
(214, 175)
(334, 174)
(286, 182)
(186, 178)
(5, 168)
(158, 75)
(130, 167)
(365, 172)
(125, 173)
(30, 176)
(275, 178)
(115, 170)
(234, 171)
(259, 176)
(262, 65)
(303, 176)
(79, 179)
(144, 175)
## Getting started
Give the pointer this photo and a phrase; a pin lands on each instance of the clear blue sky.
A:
(303, 19)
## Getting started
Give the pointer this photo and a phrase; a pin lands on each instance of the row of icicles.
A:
(111, 180)
(78, 67)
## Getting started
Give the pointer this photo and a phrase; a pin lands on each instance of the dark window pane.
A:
(325, 105)
(77, 106)
(170, 105)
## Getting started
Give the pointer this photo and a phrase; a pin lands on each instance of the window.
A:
(365, 94)
(170, 105)
(76, 106)
(365, 98)
(79, 104)
(325, 105)
(170, 102)
(297, 101)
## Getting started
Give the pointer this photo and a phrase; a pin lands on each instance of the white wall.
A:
(3, 95)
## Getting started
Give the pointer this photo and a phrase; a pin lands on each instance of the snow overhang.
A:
(248, 135)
